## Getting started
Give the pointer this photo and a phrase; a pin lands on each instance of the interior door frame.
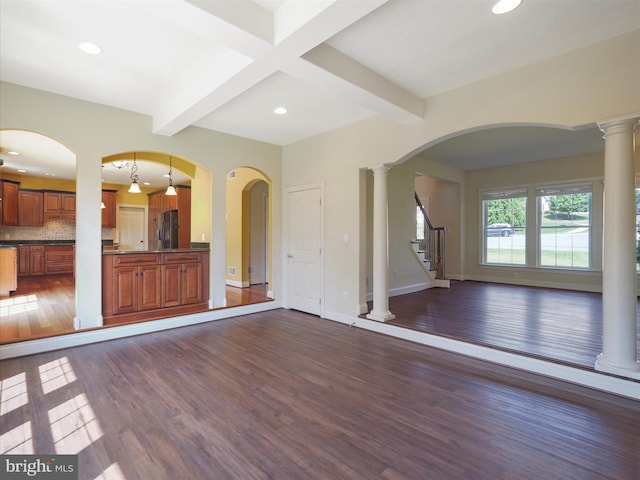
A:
(145, 221)
(285, 243)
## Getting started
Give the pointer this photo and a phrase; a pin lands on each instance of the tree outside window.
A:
(505, 224)
(565, 226)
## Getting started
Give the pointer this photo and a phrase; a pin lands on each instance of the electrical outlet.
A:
(345, 296)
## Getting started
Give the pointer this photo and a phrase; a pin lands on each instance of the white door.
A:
(304, 264)
(131, 228)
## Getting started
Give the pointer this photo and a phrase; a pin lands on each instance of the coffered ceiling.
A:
(226, 65)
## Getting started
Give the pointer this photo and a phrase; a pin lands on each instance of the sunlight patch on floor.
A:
(13, 393)
(18, 441)
(74, 426)
(56, 374)
(20, 304)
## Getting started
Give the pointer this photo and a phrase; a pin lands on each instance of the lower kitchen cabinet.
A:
(23, 260)
(182, 279)
(36, 260)
(58, 259)
(146, 286)
(136, 289)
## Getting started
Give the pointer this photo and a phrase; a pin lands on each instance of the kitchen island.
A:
(149, 285)
(8, 270)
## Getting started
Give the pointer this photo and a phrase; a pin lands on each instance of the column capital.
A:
(380, 169)
(620, 124)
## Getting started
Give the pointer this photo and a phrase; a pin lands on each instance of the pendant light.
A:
(134, 187)
(170, 189)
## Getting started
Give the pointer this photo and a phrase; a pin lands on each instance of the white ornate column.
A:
(380, 311)
(619, 303)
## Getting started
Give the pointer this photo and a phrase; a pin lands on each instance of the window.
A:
(564, 219)
(505, 225)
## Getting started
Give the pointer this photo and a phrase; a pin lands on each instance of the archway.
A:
(40, 173)
(249, 231)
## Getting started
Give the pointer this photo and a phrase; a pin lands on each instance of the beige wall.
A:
(92, 132)
(579, 88)
(532, 174)
(582, 87)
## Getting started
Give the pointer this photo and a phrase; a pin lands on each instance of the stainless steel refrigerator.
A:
(168, 233)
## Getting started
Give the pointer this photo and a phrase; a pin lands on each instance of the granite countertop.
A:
(166, 250)
(16, 243)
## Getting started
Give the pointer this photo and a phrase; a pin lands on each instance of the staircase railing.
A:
(431, 241)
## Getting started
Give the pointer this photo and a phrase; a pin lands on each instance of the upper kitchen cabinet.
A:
(9, 203)
(109, 209)
(60, 205)
(30, 208)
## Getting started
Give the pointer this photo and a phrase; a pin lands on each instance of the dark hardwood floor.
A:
(558, 325)
(286, 395)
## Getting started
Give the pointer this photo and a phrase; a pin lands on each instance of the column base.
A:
(380, 316)
(623, 369)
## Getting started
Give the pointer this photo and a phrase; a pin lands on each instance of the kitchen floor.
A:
(45, 306)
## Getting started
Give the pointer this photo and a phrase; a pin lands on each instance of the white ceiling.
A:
(225, 65)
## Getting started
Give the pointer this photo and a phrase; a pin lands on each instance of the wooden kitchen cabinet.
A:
(23, 260)
(136, 283)
(9, 203)
(109, 209)
(58, 259)
(59, 205)
(36, 260)
(30, 208)
(147, 286)
(181, 279)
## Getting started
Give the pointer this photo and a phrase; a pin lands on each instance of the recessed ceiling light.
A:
(146, 183)
(280, 111)
(505, 6)
(22, 171)
(90, 48)
(13, 153)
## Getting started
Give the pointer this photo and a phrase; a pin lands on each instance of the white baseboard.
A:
(580, 287)
(236, 283)
(393, 292)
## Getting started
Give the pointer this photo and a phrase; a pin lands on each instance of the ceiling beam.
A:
(259, 44)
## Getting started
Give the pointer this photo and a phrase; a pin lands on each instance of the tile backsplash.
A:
(51, 230)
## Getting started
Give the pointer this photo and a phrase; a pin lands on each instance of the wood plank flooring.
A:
(286, 395)
(45, 306)
(558, 325)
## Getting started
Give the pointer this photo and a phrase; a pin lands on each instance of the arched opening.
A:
(38, 185)
(491, 168)
(141, 220)
(248, 235)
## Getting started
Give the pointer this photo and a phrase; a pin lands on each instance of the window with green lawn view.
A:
(564, 219)
(505, 226)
